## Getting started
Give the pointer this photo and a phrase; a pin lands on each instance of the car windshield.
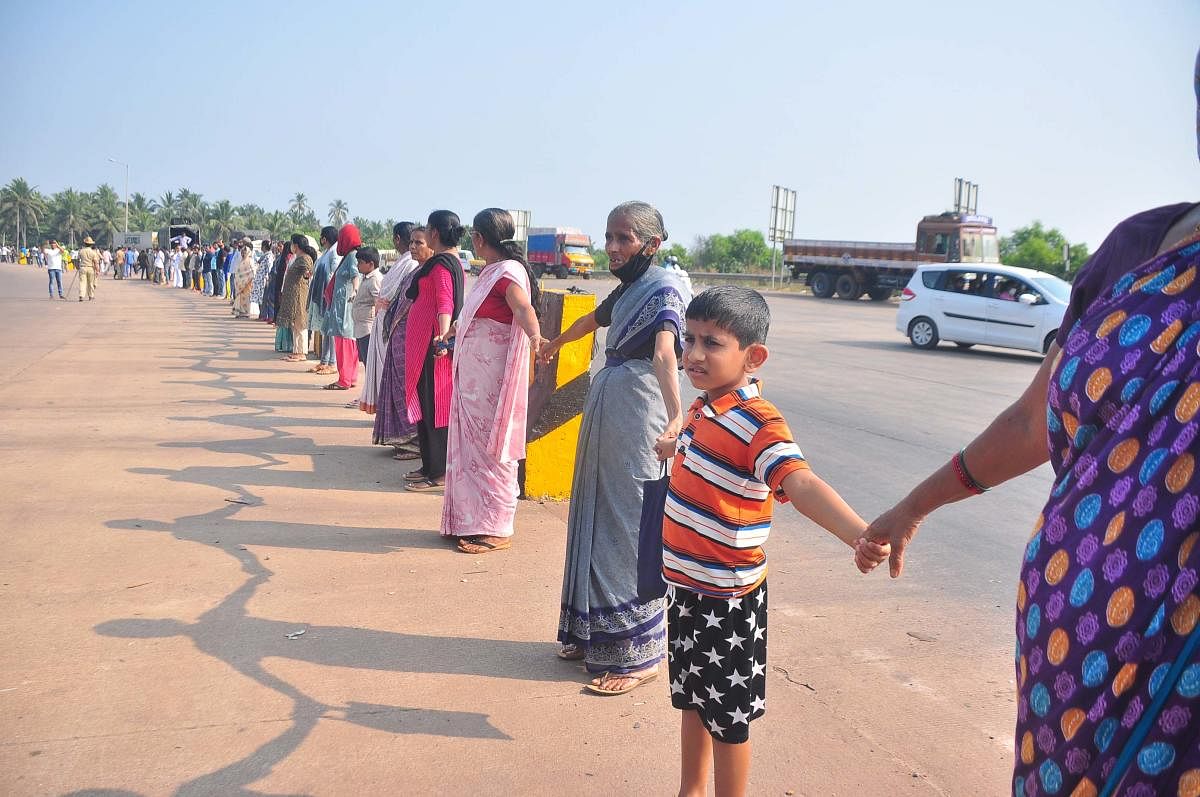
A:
(573, 249)
(1057, 288)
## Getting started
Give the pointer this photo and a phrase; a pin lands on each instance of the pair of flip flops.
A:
(337, 386)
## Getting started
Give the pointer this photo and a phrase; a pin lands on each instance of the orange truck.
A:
(852, 269)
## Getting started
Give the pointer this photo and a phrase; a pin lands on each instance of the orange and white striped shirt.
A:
(730, 463)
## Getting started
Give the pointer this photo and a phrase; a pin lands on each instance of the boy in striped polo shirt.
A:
(733, 457)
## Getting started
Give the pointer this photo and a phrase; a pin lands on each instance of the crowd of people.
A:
(1107, 659)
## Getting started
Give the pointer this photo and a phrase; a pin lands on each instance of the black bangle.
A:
(973, 482)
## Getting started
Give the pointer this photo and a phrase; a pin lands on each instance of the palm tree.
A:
(70, 213)
(166, 207)
(339, 211)
(222, 218)
(251, 215)
(141, 212)
(191, 204)
(298, 207)
(279, 224)
(25, 203)
(106, 216)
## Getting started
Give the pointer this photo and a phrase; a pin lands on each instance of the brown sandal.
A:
(482, 546)
(424, 485)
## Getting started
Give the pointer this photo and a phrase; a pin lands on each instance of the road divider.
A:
(556, 398)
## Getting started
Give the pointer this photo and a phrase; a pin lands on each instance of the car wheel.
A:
(821, 284)
(922, 333)
(880, 293)
(963, 345)
(848, 288)
(1049, 341)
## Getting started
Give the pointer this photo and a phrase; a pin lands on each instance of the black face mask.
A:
(634, 267)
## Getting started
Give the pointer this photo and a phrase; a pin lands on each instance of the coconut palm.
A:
(222, 219)
(106, 216)
(141, 212)
(298, 206)
(279, 224)
(25, 205)
(166, 207)
(191, 205)
(251, 215)
(339, 211)
(69, 214)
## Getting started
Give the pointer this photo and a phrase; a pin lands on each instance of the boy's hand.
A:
(869, 555)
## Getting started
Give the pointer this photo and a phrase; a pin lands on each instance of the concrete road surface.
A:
(179, 504)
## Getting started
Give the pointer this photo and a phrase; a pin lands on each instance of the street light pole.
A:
(126, 165)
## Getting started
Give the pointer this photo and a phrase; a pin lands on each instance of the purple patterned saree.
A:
(1108, 673)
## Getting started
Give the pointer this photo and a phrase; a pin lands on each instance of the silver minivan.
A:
(984, 303)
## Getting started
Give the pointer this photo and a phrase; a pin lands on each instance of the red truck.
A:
(561, 251)
(851, 269)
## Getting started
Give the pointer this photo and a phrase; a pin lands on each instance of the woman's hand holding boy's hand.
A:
(547, 351)
(664, 447)
(869, 555)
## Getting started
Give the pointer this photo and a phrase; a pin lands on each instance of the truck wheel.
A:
(880, 294)
(821, 284)
(923, 333)
(538, 271)
(561, 272)
(587, 275)
(847, 287)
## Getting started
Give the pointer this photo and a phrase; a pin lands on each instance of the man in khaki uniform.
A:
(89, 267)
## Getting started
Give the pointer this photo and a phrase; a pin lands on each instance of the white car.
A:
(986, 303)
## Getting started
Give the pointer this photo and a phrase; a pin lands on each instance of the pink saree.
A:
(487, 415)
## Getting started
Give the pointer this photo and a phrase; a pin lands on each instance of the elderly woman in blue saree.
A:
(635, 397)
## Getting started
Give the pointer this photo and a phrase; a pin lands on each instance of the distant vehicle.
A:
(138, 240)
(671, 263)
(465, 260)
(851, 269)
(990, 304)
(561, 251)
(179, 231)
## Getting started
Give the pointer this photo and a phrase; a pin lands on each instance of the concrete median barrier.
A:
(556, 399)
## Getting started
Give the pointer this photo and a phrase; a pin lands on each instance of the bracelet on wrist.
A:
(964, 475)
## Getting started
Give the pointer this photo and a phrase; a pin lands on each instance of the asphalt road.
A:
(177, 501)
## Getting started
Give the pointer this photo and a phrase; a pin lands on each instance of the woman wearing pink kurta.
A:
(496, 333)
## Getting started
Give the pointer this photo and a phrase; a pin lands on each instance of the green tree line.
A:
(28, 216)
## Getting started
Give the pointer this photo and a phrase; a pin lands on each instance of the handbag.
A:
(650, 584)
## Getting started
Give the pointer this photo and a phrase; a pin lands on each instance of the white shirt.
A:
(159, 259)
(53, 259)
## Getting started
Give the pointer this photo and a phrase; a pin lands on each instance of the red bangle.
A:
(964, 475)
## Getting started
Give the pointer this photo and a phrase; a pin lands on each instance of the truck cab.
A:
(958, 238)
(561, 251)
(851, 269)
(577, 256)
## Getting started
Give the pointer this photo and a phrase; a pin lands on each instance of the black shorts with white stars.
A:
(717, 659)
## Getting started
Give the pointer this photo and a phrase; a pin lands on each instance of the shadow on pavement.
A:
(947, 351)
(229, 634)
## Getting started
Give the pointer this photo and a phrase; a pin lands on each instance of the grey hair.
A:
(643, 217)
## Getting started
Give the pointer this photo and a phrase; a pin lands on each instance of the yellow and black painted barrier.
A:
(556, 398)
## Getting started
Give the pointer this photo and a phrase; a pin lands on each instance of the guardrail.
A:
(722, 278)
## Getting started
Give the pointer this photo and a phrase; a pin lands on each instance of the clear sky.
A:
(1076, 113)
